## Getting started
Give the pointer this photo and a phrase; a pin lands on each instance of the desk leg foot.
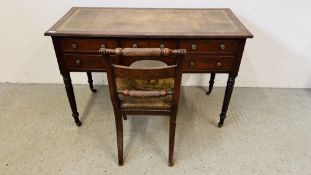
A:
(222, 119)
(124, 117)
(90, 81)
(211, 84)
(71, 98)
(228, 93)
(76, 118)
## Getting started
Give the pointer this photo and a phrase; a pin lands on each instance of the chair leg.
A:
(211, 84)
(119, 127)
(171, 139)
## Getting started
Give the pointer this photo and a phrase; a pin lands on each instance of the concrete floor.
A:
(267, 132)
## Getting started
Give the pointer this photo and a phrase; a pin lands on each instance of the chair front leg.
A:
(90, 81)
(171, 138)
(119, 127)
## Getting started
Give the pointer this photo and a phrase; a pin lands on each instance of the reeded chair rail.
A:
(142, 52)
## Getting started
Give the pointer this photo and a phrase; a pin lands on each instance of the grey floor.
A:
(267, 132)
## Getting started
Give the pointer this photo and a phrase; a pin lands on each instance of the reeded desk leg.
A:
(228, 93)
(71, 98)
(211, 84)
(90, 80)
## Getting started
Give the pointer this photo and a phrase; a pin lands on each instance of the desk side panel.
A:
(59, 55)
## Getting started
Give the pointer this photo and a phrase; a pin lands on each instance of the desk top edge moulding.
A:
(144, 22)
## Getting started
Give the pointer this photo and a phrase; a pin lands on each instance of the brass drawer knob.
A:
(194, 47)
(103, 46)
(218, 64)
(74, 45)
(222, 46)
(78, 62)
(192, 63)
(162, 46)
(134, 45)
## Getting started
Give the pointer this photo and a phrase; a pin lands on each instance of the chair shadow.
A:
(139, 125)
(90, 103)
(185, 121)
(185, 124)
(139, 129)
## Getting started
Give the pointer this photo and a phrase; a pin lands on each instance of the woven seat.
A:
(146, 104)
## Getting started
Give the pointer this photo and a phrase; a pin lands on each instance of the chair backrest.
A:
(123, 71)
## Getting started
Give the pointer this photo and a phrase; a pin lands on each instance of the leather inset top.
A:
(150, 22)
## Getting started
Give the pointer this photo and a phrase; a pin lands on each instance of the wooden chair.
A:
(143, 98)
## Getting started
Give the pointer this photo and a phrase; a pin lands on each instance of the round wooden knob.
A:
(194, 47)
(192, 63)
(162, 46)
(74, 45)
(222, 47)
(218, 64)
(134, 45)
(78, 62)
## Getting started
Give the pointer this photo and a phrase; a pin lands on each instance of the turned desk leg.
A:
(71, 98)
(228, 93)
(211, 84)
(90, 80)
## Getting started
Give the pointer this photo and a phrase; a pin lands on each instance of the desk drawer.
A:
(149, 43)
(209, 46)
(87, 45)
(84, 62)
(201, 62)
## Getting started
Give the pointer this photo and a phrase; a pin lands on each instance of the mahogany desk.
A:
(214, 39)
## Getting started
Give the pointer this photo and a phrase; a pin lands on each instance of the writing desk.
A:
(214, 39)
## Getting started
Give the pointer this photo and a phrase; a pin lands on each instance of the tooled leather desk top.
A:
(129, 22)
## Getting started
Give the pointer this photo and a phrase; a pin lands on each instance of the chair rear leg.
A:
(119, 127)
(171, 139)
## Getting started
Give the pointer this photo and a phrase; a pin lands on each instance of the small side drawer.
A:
(197, 62)
(209, 46)
(84, 62)
(149, 43)
(87, 45)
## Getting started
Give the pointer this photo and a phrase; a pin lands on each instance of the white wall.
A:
(278, 56)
